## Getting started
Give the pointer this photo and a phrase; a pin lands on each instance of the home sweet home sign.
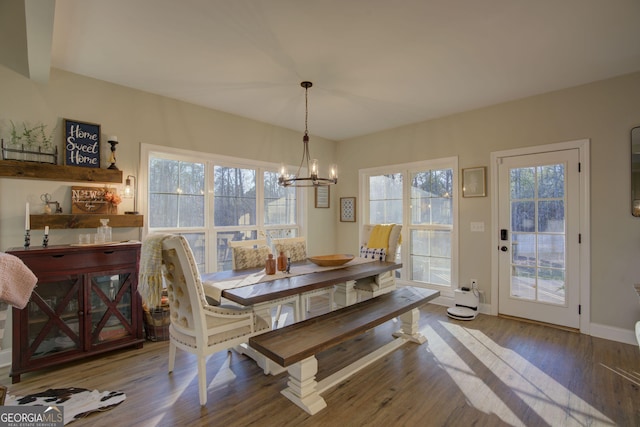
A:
(82, 144)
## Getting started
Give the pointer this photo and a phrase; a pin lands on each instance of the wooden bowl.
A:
(331, 260)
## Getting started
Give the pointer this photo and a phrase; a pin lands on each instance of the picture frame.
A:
(347, 209)
(322, 197)
(81, 144)
(89, 200)
(474, 182)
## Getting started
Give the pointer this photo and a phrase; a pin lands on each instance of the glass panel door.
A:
(110, 313)
(538, 227)
(53, 323)
(538, 217)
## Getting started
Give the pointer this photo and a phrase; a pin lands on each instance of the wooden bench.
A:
(295, 346)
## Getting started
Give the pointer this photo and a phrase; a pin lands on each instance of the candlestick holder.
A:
(45, 241)
(27, 239)
(112, 158)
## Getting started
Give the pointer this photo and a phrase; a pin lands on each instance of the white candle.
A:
(27, 223)
(46, 230)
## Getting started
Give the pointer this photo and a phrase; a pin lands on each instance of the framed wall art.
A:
(81, 144)
(89, 200)
(474, 182)
(348, 209)
(322, 197)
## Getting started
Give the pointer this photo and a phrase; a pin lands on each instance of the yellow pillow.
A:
(380, 236)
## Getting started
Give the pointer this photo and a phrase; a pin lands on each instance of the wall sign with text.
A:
(82, 144)
(88, 200)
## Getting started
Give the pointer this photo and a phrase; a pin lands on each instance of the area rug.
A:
(77, 402)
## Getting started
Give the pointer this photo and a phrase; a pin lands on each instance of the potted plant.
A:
(31, 143)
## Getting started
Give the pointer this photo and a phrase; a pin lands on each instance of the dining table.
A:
(254, 288)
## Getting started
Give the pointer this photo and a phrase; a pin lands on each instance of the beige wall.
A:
(603, 112)
(138, 117)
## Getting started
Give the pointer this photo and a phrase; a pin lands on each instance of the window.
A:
(385, 199)
(176, 192)
(422, 197)
(431, 226)
(280, 208)
(245, 202)
(234, 192)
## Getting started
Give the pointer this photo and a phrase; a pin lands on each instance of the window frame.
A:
(209, 229)
(406, 169)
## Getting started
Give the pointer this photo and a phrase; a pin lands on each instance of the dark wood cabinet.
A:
(85, 303)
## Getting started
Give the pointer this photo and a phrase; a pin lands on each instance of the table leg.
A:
(410, 327)
(268, 366)
(345, 294)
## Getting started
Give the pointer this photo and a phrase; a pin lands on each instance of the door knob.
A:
(504, 248)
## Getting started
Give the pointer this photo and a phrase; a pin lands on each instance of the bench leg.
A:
(410, 327)
(302, 386)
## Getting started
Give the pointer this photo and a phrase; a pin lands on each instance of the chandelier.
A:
(313, 180)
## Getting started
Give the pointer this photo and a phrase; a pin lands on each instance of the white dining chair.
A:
(196, 326)
(296, 249)
(247, 254)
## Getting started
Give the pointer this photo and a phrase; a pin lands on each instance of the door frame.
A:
(584, 222)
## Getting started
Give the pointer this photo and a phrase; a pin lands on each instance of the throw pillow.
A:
(379, 254)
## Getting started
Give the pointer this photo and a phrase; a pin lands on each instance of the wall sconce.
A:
(129, 192)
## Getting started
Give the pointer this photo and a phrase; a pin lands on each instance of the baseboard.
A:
(5, 358)
(626, 336)
(614, 334)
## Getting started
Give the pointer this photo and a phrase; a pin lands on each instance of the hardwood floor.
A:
(486, 372)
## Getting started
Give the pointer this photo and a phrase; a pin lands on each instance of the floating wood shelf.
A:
(31, 170)
(62, 221)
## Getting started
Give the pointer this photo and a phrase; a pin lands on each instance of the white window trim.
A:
(406, 169)
(172, 153)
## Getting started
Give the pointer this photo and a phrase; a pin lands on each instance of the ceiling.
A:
(374, 64)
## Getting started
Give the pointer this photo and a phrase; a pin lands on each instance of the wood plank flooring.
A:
(487, 372)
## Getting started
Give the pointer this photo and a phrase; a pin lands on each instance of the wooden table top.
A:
(292, 285)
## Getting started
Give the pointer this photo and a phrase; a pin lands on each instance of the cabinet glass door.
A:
(110, 299)
(53, 321)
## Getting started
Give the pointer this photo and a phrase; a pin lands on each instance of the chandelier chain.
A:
(306, 110)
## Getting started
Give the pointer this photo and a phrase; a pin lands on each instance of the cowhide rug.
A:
(77, 402)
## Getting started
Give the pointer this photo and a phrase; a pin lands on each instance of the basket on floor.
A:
(156, 322)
